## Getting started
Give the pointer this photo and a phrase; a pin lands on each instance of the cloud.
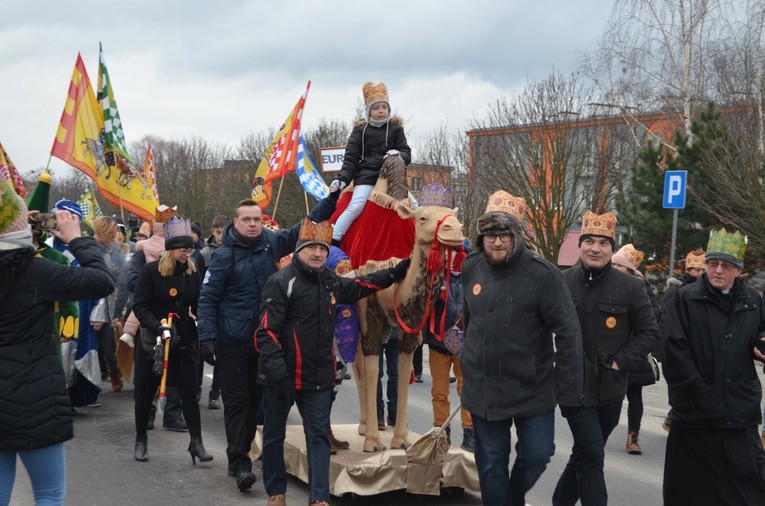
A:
(222, 70)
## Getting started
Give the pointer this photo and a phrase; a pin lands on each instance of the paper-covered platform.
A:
(355, 472)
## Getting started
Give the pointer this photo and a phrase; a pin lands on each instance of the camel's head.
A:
(434, 223)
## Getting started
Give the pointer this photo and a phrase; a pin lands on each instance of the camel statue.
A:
(405, 305)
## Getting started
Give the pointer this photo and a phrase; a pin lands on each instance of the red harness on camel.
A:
(433, 266)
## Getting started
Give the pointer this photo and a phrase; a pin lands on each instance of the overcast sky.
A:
(222, 69)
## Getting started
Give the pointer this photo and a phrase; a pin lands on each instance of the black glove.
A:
(284, 390)
(207, 352)
(399, 271)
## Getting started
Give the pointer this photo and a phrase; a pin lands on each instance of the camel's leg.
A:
(361, 389)
(401, 430)
(372, 442)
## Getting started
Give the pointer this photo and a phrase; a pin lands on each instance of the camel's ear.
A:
(404, 211)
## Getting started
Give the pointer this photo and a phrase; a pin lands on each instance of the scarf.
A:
(18, 239)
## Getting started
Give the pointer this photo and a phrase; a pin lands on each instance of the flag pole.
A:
(305, 196)
(278, 194)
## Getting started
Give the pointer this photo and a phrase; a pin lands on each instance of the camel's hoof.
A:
(398, 443)
(373, 445)
(362, 429)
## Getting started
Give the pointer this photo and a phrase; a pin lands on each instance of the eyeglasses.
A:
(494, 237)
(186, 251)
(714, 264)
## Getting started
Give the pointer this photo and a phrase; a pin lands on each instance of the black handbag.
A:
(148, 340)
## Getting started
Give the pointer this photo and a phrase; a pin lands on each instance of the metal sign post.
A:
(674, 198)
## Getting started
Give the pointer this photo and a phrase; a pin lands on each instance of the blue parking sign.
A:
(674, 189)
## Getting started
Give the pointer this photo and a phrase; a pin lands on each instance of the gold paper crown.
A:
(599, 224)
(695, 260)
(634, 256)
(503, 202)
(374, 93)
(315, 232)
(164, 213)
(724, 243)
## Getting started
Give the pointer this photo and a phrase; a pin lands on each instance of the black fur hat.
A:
(496, 222)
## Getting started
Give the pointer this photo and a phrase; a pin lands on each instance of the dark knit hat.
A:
(314, 233)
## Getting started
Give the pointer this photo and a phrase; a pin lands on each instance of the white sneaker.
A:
(127, 339)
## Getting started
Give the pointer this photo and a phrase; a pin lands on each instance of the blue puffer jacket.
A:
(229, 305)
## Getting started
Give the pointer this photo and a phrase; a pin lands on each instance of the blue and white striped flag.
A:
(307, 173)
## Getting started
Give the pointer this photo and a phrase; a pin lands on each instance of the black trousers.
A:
(237, 367)
(144, 395)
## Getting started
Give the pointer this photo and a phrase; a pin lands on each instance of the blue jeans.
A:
(535, 446)
(314, 407)
(583, 476)
(47, 471)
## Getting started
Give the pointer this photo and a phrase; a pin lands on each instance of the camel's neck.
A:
(419, 289)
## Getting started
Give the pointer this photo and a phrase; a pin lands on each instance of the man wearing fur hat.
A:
(619, 329)
(295, 340)
(372, 140)
(714, 330)
(514, 371)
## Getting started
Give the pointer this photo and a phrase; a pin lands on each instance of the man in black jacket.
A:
(514, 372)
(619, 329)
(295, 340)
(714, 330)
(228, 317)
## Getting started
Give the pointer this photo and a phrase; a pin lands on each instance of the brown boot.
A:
(114, 376)
(336, 444)
(633, 448)
(277, 500)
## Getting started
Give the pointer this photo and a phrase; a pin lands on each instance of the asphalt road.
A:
(101, 468)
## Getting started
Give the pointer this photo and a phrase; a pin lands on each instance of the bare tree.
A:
(539, 145)
(651, 57)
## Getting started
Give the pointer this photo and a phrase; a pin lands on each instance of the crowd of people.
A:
(533, 339)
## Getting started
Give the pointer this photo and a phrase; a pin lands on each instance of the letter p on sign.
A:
(674, 189)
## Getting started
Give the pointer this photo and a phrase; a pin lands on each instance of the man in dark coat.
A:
(713, 331)
(694, 267)
(296, 345)
(228, 316)
(619, 329)
(514, 371)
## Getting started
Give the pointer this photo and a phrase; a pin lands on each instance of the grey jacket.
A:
(512, 313)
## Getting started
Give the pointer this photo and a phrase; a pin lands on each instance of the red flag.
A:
(280, 156)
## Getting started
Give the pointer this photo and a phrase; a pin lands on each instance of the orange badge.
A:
(476, 289)
(611, 322)
(332, 299)
(173, 292)
(346, 313)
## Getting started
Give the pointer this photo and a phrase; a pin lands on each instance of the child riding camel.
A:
(372, 140)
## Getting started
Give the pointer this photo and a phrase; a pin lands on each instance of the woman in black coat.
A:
(169, 286)
(35, 413)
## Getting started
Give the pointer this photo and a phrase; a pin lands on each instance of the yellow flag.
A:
(80, 143)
